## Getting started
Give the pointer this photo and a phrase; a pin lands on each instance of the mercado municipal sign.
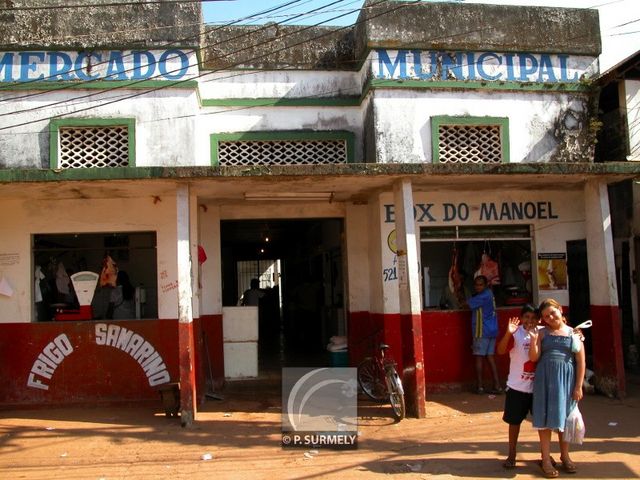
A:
(480, 66)
(53, 66)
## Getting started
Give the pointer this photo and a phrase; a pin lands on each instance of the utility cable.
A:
(211, 72)
(175, 42)
(145, 92)
(128, 85)
(76, 85)
(215, 71)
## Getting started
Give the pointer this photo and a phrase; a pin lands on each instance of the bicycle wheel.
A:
(396, 393)
(370, 380)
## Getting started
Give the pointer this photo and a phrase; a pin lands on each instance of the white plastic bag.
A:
(574, 429)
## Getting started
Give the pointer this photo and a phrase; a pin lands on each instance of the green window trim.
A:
(56, 124)
(282, 135)
(437, 121)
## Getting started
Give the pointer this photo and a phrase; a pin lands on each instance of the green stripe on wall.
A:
(283, 102)
(395, 84)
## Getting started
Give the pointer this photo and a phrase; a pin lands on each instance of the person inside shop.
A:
(252, 296)
(484, 325)
(121, 303)
(43, 294)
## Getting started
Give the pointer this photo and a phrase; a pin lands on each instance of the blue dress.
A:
(554, 382)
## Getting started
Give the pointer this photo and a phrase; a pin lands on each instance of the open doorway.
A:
(298, 265)
(579, 298)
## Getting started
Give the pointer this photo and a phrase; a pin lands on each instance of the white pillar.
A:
(600, 252)
(407, 268)
(185, 314)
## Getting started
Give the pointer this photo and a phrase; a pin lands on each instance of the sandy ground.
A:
(463, 436)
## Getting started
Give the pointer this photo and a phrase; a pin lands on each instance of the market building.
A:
(357, 172)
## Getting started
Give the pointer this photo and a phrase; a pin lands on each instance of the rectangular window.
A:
(59, 256)
(452, 257)
(282, 148)
(470, 139)
(92, 143)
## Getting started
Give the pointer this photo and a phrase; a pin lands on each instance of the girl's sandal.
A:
(509, 463)
(549, 473)
(569, 466)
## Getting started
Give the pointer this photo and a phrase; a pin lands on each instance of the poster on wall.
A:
(552, 271)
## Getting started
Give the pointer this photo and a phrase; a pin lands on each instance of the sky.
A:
(619, 19)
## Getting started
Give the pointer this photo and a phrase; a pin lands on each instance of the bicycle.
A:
(379, 380)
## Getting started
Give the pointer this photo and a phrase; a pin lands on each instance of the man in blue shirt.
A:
(484, 324)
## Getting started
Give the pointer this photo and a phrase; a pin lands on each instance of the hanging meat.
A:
(109, 272)
(488, 268)
(455, 279)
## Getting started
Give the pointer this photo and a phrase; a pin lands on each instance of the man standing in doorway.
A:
(252, 296)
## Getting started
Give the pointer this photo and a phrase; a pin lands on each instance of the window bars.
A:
(281, 152)
(93, 147)
(469, 144)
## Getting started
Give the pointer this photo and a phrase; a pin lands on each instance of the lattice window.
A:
(93, 146)
(282, 152)
(469, 144)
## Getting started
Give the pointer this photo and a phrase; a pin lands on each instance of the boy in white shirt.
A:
(521, 373)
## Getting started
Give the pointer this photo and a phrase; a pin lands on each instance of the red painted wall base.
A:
(86, 362)
(606, 338)
(446, 342)
(89, 362)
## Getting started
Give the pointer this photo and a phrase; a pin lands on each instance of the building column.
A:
(185, 315)
(409, 295)
(605, 313)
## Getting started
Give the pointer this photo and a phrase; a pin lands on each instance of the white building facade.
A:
(375, 165)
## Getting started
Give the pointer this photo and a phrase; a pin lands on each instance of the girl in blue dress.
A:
(558, 382)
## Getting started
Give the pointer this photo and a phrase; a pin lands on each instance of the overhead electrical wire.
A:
(145, 92)
(103, 91)
(226, 68)
(77, 85)
(129, 96)
(164, 46)
(129, 84)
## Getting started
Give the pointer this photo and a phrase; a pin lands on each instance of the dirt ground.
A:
(463, 436)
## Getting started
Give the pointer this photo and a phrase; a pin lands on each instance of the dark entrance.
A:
(298, 264)
(579, 299)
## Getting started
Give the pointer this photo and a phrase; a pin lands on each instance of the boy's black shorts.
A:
(516, 406)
